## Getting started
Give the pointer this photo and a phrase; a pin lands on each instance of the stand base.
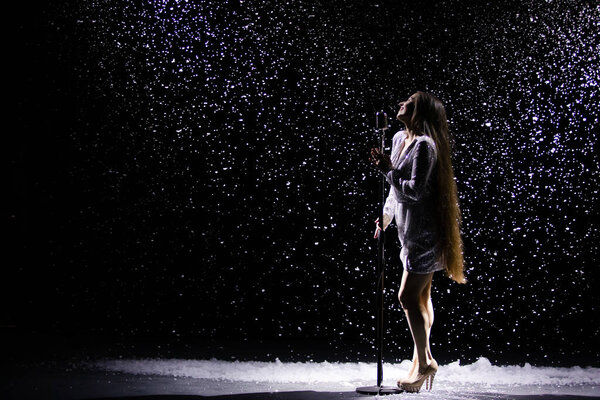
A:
(373, 390)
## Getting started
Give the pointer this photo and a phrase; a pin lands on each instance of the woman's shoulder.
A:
(427, 139)
(426, 144)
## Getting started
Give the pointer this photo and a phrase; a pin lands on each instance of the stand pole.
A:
(380, 275)
(378, 389)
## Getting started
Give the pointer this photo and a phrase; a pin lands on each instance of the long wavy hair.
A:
(429, 118)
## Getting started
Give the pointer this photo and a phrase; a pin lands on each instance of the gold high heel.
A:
(424, 376)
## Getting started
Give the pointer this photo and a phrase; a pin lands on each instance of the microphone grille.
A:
(381, 121)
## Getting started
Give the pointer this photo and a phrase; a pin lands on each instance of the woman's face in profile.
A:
(406, 108)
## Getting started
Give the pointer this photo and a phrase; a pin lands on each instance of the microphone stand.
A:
(381, 124)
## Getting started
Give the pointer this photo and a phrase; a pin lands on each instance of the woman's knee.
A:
(409, 299)
(413, 288)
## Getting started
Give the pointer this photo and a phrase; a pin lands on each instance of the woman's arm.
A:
(422, 168)
(389, 209)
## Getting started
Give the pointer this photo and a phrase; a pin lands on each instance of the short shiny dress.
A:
(411, 202)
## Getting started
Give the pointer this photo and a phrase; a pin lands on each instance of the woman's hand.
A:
(386, 221)
(380, 160)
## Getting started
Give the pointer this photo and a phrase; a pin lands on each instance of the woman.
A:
(424, 202)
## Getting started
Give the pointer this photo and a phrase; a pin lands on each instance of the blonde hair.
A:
(429, 118)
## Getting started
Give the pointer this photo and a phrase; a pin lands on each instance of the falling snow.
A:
(219, 165)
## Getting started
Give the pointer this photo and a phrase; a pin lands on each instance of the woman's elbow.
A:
(414, 194)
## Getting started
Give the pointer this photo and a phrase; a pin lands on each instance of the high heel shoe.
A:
(425, 375)
(408, 378)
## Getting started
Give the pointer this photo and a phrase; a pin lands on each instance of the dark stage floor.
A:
(54, 367)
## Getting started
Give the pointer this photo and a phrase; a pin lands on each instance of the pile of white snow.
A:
(350, 375)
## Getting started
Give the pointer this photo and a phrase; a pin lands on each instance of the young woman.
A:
(424, 202)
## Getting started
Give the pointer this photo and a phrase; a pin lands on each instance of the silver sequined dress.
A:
(411, 202)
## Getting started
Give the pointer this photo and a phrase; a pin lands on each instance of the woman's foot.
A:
(411, 373)
(424, 375)
(413, 368)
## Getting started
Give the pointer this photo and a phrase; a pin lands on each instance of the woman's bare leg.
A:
(426, 299)
(427, 304)
(411, 296)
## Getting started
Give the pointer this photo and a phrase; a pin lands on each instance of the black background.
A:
(197, 173)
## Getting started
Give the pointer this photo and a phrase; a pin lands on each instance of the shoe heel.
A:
(431, 381)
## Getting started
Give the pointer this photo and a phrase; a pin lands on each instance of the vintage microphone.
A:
(381, 124)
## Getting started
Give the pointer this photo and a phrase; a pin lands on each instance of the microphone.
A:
(381, 121)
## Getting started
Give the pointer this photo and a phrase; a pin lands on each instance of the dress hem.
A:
(423, 273)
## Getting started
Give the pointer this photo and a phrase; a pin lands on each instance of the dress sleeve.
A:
(391, 203)
(422, 167)
(389, 208)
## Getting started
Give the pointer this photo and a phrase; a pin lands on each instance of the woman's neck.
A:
(410, 134)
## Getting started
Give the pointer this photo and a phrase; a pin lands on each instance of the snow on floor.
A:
(451, 381)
